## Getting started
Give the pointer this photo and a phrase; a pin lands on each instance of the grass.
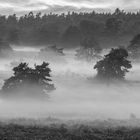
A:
(58, 131)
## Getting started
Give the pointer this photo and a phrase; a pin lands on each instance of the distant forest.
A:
(109, 29)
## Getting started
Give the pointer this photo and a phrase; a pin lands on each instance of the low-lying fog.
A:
(76, 95)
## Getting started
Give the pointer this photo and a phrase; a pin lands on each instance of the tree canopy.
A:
(28, 80)
(113, 26)
(114, 65)
(67, 28)
(89, 49)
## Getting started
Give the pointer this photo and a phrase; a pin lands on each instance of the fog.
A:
(77, 94)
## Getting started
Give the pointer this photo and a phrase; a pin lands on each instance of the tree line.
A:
(68, 29)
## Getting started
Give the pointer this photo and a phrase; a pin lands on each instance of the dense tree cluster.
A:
(89, 50)
(28, 80)
(68, 28)
(114, 65)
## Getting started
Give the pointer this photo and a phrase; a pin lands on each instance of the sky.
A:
(24, 6)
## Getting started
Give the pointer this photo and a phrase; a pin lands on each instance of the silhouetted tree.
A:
(134, 47)
(114, 65)
(89, 49)
(119, 12)
(29, 80)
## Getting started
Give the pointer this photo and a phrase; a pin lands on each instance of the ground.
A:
(63, 132)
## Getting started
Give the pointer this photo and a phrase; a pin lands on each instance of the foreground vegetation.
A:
(63, 132)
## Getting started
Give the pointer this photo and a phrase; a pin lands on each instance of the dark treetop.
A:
(29, 80)
(114, 65)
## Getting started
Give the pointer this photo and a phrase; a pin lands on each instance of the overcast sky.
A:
(23, 6)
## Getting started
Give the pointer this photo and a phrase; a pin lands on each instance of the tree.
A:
(134, 47)
(89, 27)
(13, 36)
(29, 80)
(118, 12)
(71, 35)
(48, 33)
(113, 25)
(89, 49)
(114, 65)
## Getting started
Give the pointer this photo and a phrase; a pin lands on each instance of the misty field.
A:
(69, 70)
(84, 108)
(77, 94)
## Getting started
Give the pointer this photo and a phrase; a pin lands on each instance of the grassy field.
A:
(52, 131)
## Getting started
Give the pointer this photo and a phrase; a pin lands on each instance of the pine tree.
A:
(114, 65)
(29, 80)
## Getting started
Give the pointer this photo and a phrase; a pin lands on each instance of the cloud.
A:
(8, 6)
(78, 3)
